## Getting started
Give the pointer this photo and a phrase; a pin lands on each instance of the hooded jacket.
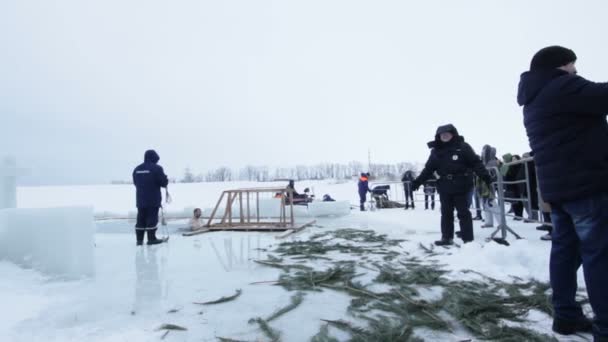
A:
(363, 185)
(455, 163)
(565, 120)
(148, 178)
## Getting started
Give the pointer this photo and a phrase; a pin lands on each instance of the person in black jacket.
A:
(455, 162)
(565, 120)
(407, 179)
(148, 179)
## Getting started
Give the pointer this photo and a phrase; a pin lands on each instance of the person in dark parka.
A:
(455, 163)
(148, 179)
(565, 120)
(407, 179)
(363, 190)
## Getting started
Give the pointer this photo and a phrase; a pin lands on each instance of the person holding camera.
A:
(565, 120)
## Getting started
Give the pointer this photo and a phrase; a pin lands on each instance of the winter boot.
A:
(444, 242)
(544, 228)
(458, 234)
(546, 237)
(564, 327)
(362, 207)
(139, 235)
(152, 240)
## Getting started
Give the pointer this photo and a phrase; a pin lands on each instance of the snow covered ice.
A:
(134, 290)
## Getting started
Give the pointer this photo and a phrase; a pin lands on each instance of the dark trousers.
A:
(580, 236)
(147, 221)
(362, 199)
(409, 195)
(547, 219)
(139, 234)
(460, 202)
(518, 209)
(426, 201)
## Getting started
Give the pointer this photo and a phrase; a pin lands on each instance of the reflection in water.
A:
(230, 260)
(148, 288)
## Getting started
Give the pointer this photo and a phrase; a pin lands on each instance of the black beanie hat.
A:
(552, 57)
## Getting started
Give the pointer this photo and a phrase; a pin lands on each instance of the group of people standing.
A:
(565, 120)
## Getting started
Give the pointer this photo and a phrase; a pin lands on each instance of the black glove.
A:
(415, 185)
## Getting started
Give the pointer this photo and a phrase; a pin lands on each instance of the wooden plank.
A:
(241, 214)
(215, 209)
(283, 215)
(269, 189)
(291, 220)
(257, 205)
(196, 232)
(227, 206)
(295, 230)
(248, 211)
(248, 229)
(261, 224)
(230, 208)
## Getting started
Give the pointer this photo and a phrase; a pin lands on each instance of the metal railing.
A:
(535, 215)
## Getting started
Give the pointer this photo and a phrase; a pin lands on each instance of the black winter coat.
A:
(148, 178)
(565, 119)
(516, 172)
(455, 162)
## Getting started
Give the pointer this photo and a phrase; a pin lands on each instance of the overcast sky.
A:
(87, 86)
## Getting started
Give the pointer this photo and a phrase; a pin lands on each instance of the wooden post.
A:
(230, 209)
(248, 212)
(291, 206)
(241, 214)
(227, 206)
(215, 209)
(257, 205)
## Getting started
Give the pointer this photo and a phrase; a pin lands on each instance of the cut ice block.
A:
(55, 241)
(8, 183)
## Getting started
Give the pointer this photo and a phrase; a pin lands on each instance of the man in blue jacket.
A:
(363, 186)
(148, 178)
(565, 119)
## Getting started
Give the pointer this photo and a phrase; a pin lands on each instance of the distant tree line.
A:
(299, 172)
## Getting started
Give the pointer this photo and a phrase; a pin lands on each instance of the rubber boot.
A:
(152, 240)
